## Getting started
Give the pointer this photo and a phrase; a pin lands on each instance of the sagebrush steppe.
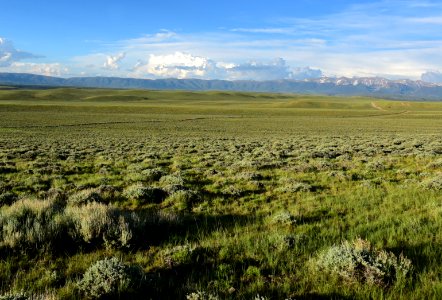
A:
(218, 194)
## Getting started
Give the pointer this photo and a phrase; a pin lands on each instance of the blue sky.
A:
(223, 39)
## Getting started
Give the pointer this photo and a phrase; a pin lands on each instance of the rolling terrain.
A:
(340, 86)
(218, 195)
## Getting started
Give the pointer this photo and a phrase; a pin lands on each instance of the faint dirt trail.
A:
(375, 106)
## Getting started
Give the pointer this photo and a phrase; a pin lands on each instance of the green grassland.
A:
(218, 195)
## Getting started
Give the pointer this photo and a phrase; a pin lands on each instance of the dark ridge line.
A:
(109, 123)
(380, 115)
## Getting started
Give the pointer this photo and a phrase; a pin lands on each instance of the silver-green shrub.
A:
(109, 277)
(434, 183)
(200, 295)
(14, 296)
(96, 222)
(30, 222)
(183, 200)
(152, 174)
(360, 262)
(144, 194)
(84, 197)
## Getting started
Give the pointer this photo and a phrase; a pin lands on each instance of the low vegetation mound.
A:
(109, 277)
(359, 261)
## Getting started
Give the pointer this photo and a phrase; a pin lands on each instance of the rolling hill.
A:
(343, 86)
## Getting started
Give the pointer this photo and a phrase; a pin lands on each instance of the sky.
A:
(233, 40)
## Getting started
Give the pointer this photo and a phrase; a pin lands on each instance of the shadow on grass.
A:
(315, 216)
(422, 255)
(191, 227)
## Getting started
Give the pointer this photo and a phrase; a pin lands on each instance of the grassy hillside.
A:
(218, 195)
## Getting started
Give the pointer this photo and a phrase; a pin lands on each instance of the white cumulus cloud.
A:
(305, 73)
(185, 65)
(48, 69)
(112, 61)
(277, 69)
(177, 65)
(9, 54)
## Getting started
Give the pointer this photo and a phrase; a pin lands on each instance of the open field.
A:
(219, 195)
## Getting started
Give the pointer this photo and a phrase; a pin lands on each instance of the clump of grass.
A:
(30, 222)
(144, 194)
(97, 223)
(434, 183)
(283, 217)
(171, 180)
(109, 277)
(85, 196)
(358, 261)
(183, 200)
(436, 164)
(201, 295)
(14, 296)
(172, 183)
(178, 255)
(152, 175)
(293, 186)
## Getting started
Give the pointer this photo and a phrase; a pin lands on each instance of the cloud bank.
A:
(432, 76)
(184, 65)
(47, 69)
(9, 54)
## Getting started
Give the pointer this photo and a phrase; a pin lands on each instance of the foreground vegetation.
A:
(179, 195)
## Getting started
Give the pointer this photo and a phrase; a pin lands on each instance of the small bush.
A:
(295, 187)
(179, 255)
(30, 222)
(14, 296)
(144, 194)
(433, 183)
(284, 218)
(90, 221)
(201, 296)
(151, 175)
(109, 277)
(108, 193)
(183, 200)
(360, 262)
(171, 180)
(85, 196)
(437, 164)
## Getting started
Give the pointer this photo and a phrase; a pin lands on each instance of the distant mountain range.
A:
(342, 86)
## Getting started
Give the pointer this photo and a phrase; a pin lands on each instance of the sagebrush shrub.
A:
(14, 296)
(85, 196)
(30, 222)
(144, 194)
(152, 174)
(179, 255)
(434, 183)
(200, 295)
(284, 218)
(171, 180)
(90, 221)
(183, 200)
(293, 186)
(109, 277)
(360, 262)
